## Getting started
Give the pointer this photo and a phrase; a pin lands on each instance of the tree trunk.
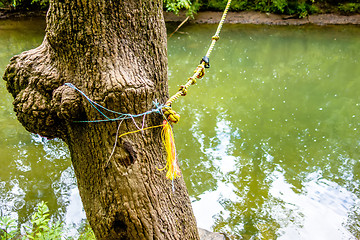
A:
(115, 52)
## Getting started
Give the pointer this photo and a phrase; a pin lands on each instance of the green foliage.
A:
(8, 229)
(176, 5)
(25, 4)
(86, 233)
(350, 8)
(6, 3)
(41, 229)
(300, 7)
(275, 6)
(239, 5)
(303, 10)
(306, 8)
(42, 3)
(215, 4)
(279, 5)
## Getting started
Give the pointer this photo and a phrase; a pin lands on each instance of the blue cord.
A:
(122, 116)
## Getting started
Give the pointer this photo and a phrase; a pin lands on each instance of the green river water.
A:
(268, 140)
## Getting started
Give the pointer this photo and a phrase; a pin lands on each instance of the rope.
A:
(166, 134)
(217, 33)
(143, 129)
(198, 73)
(121, 116)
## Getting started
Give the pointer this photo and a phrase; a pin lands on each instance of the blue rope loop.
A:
(121, 116)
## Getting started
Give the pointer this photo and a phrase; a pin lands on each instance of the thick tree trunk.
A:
(115, 52)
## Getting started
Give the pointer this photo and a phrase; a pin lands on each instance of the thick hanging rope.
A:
(172, 117)
(199, 72)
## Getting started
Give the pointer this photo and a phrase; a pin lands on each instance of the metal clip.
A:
(206, 60)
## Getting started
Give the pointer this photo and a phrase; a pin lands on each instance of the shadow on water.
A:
(268, 140)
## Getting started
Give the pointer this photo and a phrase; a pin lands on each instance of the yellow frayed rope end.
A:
(167, 136)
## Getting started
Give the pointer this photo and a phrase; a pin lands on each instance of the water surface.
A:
(268, 141)
(33, 169)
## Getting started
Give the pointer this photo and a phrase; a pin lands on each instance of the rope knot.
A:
(202, 71)
(215, 37)
(170, 114)
(183, 90)
(193, 80)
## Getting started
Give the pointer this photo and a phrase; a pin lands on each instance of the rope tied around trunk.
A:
(167, 135)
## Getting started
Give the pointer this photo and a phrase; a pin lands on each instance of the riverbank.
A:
(8, 14)
(251, 17)
(245, 17)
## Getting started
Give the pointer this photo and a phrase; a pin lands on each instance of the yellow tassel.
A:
(167, 137)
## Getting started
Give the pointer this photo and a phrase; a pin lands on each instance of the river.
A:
(268, 140)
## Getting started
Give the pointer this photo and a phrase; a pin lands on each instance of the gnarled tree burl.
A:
(114, 51)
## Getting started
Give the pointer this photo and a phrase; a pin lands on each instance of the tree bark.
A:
(115, 52)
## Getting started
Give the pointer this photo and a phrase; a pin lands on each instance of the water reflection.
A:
(40, 170)
(267, 140)
(33, 169)
(274, 127)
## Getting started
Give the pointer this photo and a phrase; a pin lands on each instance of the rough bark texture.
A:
(115, 52)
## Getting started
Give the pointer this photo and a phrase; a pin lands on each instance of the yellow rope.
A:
(140, 130)
(221, 23)
(167, 136)
(198, 73)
